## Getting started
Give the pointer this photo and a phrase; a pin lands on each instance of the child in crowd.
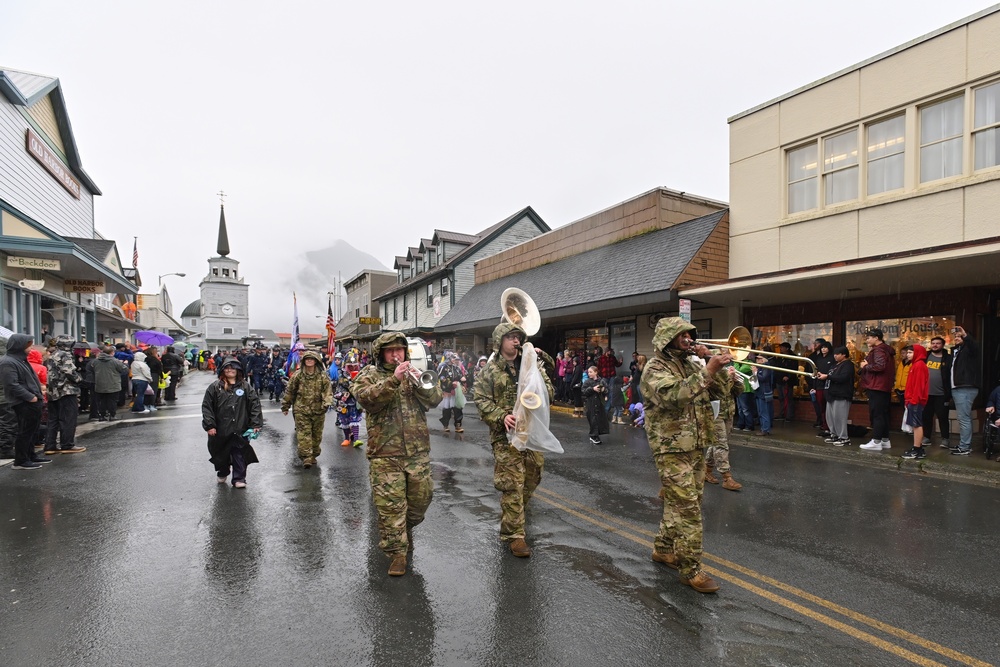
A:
(915, 396)
(593, 391)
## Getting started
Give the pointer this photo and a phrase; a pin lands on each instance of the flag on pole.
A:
(292, 363)
(135, 252)
(331, 328)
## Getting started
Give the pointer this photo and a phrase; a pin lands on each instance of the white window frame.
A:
(978, 130)
(430, 295)
(445, 284)
(227, 330)
(845, 164)
(960, 137)
(869, 161)
(815, 178)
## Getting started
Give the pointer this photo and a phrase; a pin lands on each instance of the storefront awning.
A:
(965, 265)
(75, 262)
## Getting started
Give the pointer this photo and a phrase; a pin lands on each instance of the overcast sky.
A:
(379, 122)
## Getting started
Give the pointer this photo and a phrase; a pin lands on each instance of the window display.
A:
(800, 337)
(898, 333)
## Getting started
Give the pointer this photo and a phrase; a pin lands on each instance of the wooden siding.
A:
(28, 187)
(711, 263)
(44, 114)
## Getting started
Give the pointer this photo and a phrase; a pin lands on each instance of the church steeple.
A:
(223, 249)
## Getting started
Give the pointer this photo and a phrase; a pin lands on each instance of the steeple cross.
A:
(222, 197)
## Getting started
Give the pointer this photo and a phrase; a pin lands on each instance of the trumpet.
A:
(425, 380)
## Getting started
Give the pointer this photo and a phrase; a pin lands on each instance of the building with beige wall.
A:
(870, 197)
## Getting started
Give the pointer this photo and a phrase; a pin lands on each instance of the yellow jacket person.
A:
(398, 444)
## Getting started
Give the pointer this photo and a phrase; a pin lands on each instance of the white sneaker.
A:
(875, 446)
(886, 444)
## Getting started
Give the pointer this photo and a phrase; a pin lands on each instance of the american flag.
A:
(331, 329)
(135, 252)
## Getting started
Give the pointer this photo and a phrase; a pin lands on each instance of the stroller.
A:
(991, 438)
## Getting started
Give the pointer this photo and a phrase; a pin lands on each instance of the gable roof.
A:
(23, 89)
(453, 237)
(481, 239)
(645, 264)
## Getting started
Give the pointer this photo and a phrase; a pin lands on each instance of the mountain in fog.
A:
(310, 274)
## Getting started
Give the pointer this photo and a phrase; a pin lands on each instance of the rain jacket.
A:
(965, 367)
(917, 381)
(678, 390)
(840, 383)
(140, 369)
(17, 377)
(64, 379)
(495, 388)
(880, 372)
(231, 412)
(107, 373)
(395, 411)
(35, 360)
(309, 393)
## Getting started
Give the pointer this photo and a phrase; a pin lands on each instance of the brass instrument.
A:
(530, 400)
(425, 380)
(518, 309)
(739, 344)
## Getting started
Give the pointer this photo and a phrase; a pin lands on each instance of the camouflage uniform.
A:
(63, 395)
(679, 424)
(516, 474)
(309, 395)
(725, 392)
(399, 445)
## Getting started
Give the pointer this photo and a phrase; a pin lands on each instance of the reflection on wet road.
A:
(132, 554)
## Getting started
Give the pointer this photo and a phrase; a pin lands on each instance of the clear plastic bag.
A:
(532, 408)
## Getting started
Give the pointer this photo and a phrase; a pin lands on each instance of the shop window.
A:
(986, 127)
(800, 337)
(941, 130)
(802, 174)
(886, 145)
(840, 167)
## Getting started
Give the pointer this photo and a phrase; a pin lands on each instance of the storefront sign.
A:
(33, 263)
(685, 309)
(48, 159)
(84, 286)
(369, 320)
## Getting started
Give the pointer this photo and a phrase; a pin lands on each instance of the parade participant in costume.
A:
(679, 421)
(348, 413)
(516, 473)
(229, 410)
(398, 445)
(451, 375)
(717, 455)
(309, 395)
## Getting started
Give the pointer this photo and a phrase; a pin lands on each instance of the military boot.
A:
(730, 484)
(670, 560)
(398, 566)
(709, 477)
(520, 548)
(701, 582)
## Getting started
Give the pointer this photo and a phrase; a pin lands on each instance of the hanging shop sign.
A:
(33, 263)
(84, 286)
(48, 159)
(369, 320)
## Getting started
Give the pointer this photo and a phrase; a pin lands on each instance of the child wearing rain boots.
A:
(348, 412)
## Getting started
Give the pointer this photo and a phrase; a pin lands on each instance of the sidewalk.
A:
(801, 437)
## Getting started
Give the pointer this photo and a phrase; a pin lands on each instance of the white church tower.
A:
(225, 306)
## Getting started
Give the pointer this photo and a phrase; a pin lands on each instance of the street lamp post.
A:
(160, 278)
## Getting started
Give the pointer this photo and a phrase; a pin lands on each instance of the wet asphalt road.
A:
(131, 554)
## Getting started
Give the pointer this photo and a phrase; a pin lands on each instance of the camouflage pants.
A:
(682, 475)
(516, 475)
(718, 454)
(308, 433)
(401, 489)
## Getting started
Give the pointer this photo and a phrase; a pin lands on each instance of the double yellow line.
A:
(632, 532)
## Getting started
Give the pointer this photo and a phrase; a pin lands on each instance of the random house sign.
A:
(48, 159)
(33, 263)
(84, 286)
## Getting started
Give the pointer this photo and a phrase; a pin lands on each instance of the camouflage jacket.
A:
(309, 394)
(678, 393)
(64, 378)
(495, 388)
(395, 412)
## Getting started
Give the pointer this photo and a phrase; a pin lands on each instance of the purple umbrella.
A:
(151, 337)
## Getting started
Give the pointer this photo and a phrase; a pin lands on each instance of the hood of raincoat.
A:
(667, 329)
(503, 329)
(919, 352)
(139, 356)
(17, 343)
(385, 340)
(65, 343)
(310, 354)
(34, 357)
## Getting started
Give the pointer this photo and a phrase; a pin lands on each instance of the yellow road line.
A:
(849, 613)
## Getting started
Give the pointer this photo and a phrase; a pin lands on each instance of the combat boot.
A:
(709, 477)
(730, 484)
(670, 560)
(701, 582)
(520, 548)
(398, 566)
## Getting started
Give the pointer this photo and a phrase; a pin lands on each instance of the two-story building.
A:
(434, 275)
(362, 320)
(870, 198)
(50, 282)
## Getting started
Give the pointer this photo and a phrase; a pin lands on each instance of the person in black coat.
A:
(595, 391)
(838, 387)
(230, 409)
(23, 392)
(174, 365)
(576, 388)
